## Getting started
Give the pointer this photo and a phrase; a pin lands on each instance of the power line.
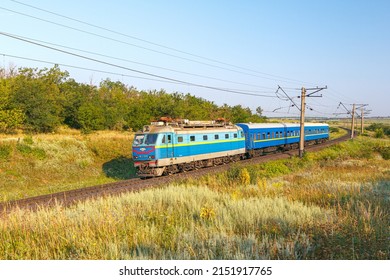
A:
(132, 70)
(144, 64)
(84, 68)
(149, 49)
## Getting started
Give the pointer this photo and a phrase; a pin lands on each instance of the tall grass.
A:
(334, 204)
(163, 223)
(40, 164)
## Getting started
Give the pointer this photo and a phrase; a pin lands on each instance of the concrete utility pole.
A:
(302, 123)
(353, 122)
(354, 108)
(362, 124)
(302, 110)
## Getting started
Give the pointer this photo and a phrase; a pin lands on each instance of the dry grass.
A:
(45, 163)
(330, 205)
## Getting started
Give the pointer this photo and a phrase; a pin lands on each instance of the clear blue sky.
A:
(344, 45)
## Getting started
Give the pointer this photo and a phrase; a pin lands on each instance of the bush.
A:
(384, 151)
(275, 168)
(380, 128)
(379, 133)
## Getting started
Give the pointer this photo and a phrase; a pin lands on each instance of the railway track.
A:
(67, 198)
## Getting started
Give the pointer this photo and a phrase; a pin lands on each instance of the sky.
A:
(233, 52)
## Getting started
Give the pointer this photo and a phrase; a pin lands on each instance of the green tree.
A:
(36, 93)
(10, 118)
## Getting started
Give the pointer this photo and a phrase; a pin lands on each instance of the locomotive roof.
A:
(162, 129)
(280, 125)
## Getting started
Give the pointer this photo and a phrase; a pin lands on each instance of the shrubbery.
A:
(380, 129)
(41, 100)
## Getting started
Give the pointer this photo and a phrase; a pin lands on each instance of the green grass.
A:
(333, 204)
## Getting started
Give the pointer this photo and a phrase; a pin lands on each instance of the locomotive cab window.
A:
(235, 135)
(139, 139)
(169, 139)
(150, 139)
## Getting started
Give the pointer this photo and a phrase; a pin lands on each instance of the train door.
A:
(252, 140)
(169, 145)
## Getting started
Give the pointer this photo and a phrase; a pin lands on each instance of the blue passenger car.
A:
(265, 135)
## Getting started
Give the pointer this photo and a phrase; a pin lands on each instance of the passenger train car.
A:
(164, 147)
(263, 137)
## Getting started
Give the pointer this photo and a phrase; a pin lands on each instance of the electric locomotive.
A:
(167, 147)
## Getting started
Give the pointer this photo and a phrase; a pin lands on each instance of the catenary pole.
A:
(302, 123)
(353, 122)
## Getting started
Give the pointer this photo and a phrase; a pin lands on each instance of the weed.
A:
(5, 152)
(27, 150)
(244, 177)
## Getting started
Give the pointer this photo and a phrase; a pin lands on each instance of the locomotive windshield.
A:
(147, 139)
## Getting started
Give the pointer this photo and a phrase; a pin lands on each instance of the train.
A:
(172, 146)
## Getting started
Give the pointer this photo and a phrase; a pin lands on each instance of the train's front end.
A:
(146, 152)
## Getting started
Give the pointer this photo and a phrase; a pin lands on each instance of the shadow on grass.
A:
(121, 168)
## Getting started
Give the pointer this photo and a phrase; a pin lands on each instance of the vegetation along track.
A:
(69, 197)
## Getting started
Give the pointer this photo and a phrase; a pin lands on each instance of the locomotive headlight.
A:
(151, 157)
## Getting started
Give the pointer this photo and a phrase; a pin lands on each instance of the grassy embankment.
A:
(334, 204)
(47, 163)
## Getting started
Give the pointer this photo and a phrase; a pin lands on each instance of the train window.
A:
(192, 138)
(263, 135)
(205, 137)
(226, 136)
(235, 135)
(216, 136)
(150, 139)
(277, 134)
(163, 140)
(139, 139)
(268, 135)
(169, 139)
(180, 139)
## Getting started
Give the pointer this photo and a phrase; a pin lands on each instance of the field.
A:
(45, 163)
(333, 204)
